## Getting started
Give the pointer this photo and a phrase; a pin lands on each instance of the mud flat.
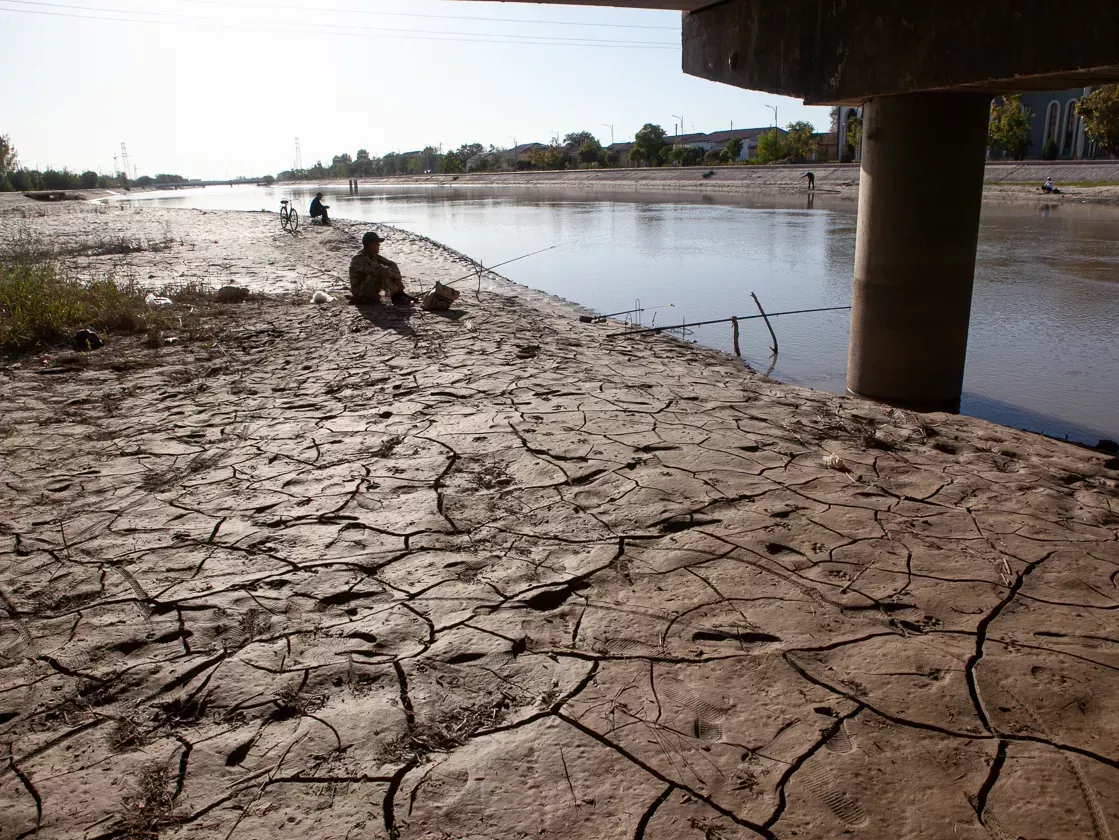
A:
(494, 574)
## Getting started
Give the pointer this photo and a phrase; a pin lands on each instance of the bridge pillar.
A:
(923, 157)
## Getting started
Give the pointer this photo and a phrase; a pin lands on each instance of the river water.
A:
(1043, 352)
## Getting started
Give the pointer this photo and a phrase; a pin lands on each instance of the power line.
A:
(227, 4)
(377, 32)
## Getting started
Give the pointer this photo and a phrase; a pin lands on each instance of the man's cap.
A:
(371, 237)
(318, 195)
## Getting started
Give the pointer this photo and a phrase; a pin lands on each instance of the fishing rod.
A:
(598, 319)
(629, 333)
(482, 268)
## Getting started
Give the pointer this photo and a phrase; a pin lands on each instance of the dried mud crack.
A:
(338, 575)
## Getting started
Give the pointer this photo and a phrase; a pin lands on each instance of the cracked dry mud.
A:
(344, 576)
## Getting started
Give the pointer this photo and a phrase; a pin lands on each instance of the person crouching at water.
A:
(370, 274)
(811, 176)
(1048, 187)
(318, 209)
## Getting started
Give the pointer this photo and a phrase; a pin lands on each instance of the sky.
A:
(222, 88)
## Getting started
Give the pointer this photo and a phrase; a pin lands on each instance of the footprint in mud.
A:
(707, 725)
(841, 742)
(818, 780)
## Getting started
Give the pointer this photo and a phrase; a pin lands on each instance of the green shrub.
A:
(1049, 150)
(41, 305)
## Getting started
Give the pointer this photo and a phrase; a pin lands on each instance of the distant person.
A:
(811, 176)
(318, 209)
(371, 274)
(1048, 187)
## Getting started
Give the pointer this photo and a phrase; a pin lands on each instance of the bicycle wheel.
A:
(293, 221)
(284, 217)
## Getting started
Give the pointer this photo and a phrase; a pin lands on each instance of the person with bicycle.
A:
(370, 274)
(318, 210)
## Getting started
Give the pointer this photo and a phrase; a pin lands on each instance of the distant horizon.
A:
(326, 163)
(209, 88)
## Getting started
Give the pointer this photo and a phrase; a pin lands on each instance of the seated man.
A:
(370, 274)
(318, 209)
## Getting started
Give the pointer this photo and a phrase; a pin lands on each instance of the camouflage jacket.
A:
(372, 274)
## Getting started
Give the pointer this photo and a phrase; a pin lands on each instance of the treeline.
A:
(14, 177)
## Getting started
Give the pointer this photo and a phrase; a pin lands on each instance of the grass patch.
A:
(148, 804)
(42, 304)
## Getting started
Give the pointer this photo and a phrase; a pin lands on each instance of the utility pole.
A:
(774, 109)
(607, 125)
(124, 161)
(298, 165)
(681, 129)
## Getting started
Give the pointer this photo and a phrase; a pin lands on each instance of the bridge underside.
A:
(925, 73)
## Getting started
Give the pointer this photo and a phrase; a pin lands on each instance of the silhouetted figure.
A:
(318, 210)
(811, 180)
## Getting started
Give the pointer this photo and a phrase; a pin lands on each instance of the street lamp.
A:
(607, 125)
(774, 109)
(681, 122)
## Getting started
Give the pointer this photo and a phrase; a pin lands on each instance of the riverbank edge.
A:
(1090, 181)
(548, 304)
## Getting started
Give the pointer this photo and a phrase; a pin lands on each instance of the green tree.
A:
(854, 135)
(1009, 128)
(579, 138)
(637, 155)
(590, 150)
(800, 141)
(8, 156)
(89, 179)
(734, 149)
(650, 141)
(1100, 112)
(549, 157)
(772, 147)
(429, 157)
(687, 155)
(469, 150)
(452, 163)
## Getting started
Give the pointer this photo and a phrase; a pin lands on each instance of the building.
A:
(715, 141)
(718, 140)
(1055, 119)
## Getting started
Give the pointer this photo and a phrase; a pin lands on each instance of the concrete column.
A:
(923, 157)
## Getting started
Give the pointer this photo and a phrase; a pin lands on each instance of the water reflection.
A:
(1041, 351)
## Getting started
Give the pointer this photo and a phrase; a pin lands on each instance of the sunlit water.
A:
(1042, 353)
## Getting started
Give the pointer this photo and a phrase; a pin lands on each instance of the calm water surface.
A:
(1042, 353)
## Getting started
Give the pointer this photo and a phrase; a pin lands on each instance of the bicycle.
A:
(289, 216)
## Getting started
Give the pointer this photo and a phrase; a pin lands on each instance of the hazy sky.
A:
(216, 88)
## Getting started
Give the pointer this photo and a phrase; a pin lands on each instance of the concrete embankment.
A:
(1005, 181)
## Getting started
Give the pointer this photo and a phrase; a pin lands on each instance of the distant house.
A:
(518, 156)
(1055, 119)
(622, 150)
(718, 140)
(827, 147)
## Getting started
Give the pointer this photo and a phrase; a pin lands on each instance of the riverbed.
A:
(1041, 353)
